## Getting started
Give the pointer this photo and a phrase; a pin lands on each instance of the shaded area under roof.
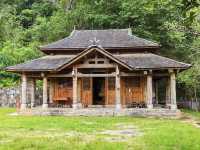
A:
(111, 38)
(136, 61)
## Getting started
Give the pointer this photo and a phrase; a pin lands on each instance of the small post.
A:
(24, 91)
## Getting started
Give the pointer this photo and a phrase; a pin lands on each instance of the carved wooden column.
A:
(45, 92)
(32, 92)
(173, 90)
(24, 91)
(117, 89)
(75, 95)
(149, 93)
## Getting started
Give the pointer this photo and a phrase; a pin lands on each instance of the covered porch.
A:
(110, 88)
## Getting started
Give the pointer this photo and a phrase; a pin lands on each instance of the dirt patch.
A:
(189, 119)
(122, 133)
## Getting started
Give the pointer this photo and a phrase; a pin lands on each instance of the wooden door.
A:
(63, 90)
(110, 90)
(86, 92)
(133, 90)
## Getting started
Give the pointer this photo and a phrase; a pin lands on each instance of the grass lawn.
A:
(85, 133)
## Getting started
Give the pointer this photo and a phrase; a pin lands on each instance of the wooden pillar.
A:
(117, 89)
(45, 92)
(75, 83)
(51, 91)
(32, 92)
(173, 90)
(149, 91)
(23, 91)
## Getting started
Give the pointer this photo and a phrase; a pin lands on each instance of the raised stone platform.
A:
(156, 112)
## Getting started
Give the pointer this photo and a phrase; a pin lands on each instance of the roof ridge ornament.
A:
(95, 42)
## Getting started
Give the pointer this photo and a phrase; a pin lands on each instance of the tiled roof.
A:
(135, 61)
(111, 38)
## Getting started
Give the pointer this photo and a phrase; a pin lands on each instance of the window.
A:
(100, 62)
(91, 62)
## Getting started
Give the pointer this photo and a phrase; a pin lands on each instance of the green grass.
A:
(83, 133)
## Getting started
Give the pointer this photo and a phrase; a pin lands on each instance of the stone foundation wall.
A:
(160, 112)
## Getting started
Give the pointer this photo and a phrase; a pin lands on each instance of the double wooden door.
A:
(87, 92)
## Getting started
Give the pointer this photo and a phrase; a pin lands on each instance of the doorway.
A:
(98, 91)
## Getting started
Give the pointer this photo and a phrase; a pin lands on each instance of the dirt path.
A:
(187, 118)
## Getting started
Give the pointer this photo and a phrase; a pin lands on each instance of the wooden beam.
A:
(96, 66)
(59, 75)
(141, 74)
(95, 75)
(130, 74)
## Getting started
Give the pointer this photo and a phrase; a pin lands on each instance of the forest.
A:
(174, 24)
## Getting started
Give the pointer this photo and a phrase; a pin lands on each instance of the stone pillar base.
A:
(150, 106)
(23, 106)
(44, 106)
(32, 105)
(77, 106)
(74, 106)
(173, 106)
(118, 106)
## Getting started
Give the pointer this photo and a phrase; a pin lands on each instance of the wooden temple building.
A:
(101, 68)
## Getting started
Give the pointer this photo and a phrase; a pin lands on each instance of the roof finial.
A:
(94, 41)
(74, 27)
